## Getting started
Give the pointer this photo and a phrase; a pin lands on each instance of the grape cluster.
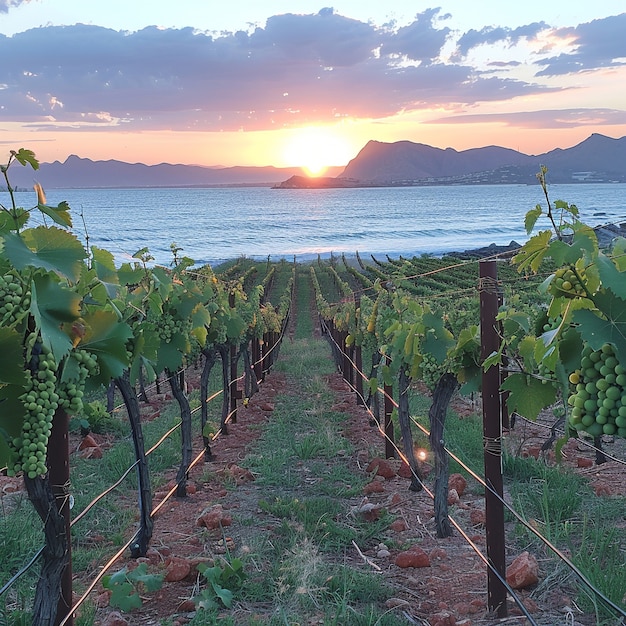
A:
(545, 373)
(168, 326)
(567, 283)
(71, 390)
(14, 300)
(598, 398)
(40, 402)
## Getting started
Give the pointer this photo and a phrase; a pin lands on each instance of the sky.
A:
(300, 83)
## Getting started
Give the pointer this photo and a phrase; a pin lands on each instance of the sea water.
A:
(215, 224)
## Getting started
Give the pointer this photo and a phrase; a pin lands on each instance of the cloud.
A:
(492, 34)
(597, 44)
(419, 41)
(296, 69)
(5, 5)
(547, 119)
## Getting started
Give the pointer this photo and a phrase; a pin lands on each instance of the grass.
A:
(567, 512)
(302, 567)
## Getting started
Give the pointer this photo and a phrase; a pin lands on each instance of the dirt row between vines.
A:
(450, 590)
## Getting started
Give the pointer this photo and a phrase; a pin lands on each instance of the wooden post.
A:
(492, 440)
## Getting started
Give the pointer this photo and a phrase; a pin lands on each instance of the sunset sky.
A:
(294, 82)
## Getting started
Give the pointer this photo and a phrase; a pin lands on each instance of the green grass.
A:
(307, 490)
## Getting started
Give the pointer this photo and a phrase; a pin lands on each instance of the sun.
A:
(315, 149)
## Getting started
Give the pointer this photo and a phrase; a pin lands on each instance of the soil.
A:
(452, 590)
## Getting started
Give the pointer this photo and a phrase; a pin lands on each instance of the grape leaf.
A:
(533, 251)
(11, 356)
(527, 395)
(170, 354)
(610, 276)
(583, 240)
(129, 275)
(124, 596)
(531, 218)
(47, 248)
(610, 329)
(52, 305)
(59, 214)
(619, 253)
(12, 411)
(23, 156)
(106, 337)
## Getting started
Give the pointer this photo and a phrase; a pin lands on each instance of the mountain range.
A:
(597, 159)
(77, 172)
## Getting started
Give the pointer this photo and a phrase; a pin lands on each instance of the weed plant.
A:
(563, 508)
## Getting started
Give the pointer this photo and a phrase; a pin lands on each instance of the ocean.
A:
(216, 224)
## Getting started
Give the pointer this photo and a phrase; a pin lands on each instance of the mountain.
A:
(77, 172)
(597, 159)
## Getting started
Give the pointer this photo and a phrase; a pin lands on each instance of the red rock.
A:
(88, 442)
(102, 599)
(369, 512)
(523, 571)
(583, 462)
(477, 517)
(602, 490)
(375, 486)
(532, 451)
(187, 606)
(458, 482)
(453, 497)
(91, 453)
(405, 470)
(190, 488)
(438, 553)
(153, 556)
(398, 525)
(443, 618)
(176, 569)
(382, 468)
(415, 557)
(114, 619)
(396, 498)
(239, 474)
(214, 517)
(268, 407)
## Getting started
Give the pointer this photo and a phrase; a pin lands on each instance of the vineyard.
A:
(138, 398)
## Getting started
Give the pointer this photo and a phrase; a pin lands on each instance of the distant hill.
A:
(77, 172)
(597, 159)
